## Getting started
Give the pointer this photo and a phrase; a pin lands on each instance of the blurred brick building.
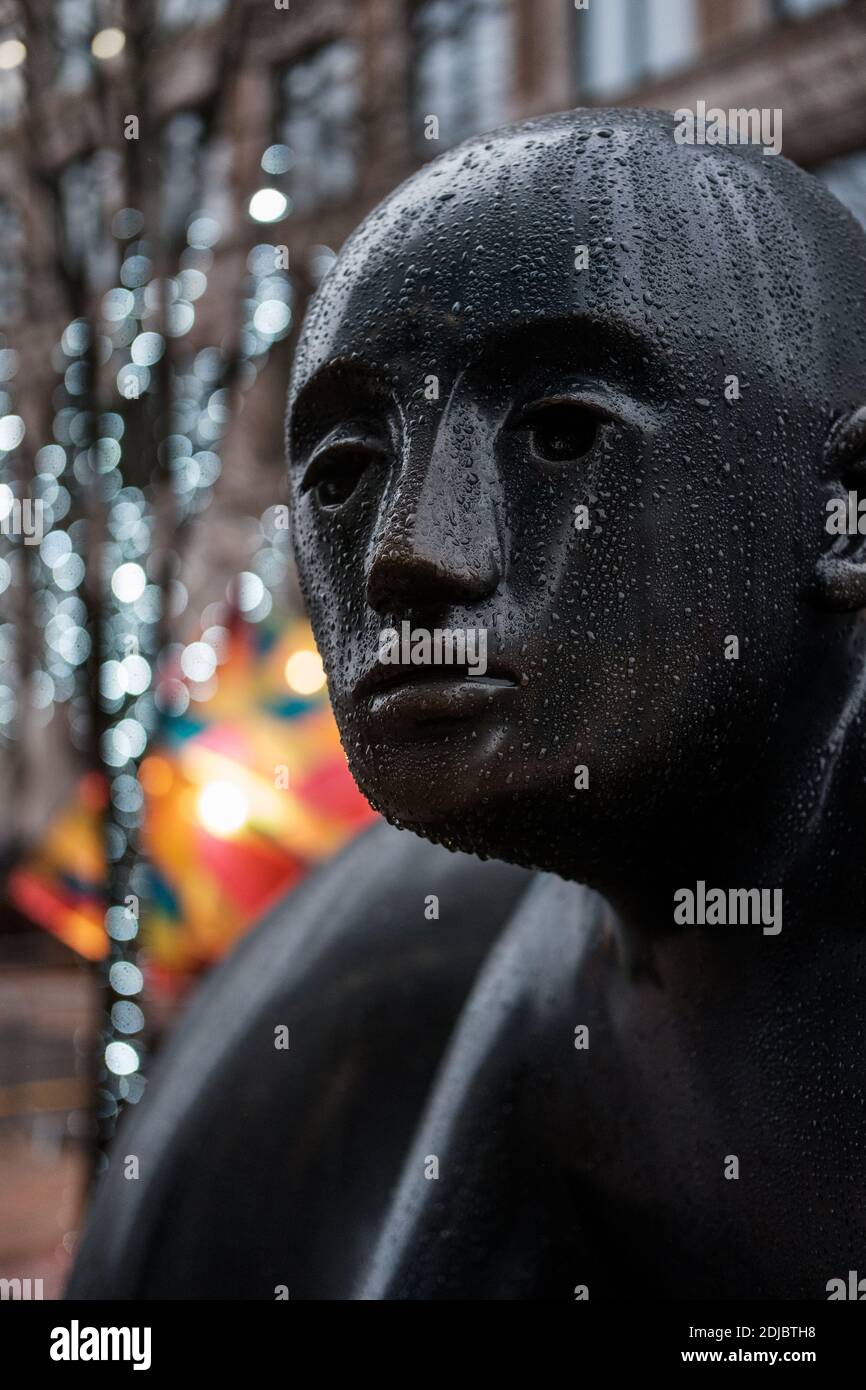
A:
(347, 84)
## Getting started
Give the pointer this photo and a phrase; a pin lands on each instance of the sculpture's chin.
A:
(505, 827)
(473, 794)
(468, 837)
(443, 824)
(434, 783)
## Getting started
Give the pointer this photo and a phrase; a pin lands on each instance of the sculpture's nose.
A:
(439, 542)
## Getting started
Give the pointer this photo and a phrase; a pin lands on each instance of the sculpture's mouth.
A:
(413, 695)
(394, 675)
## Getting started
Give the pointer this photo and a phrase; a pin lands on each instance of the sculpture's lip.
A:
(404, 709)
(384, 678)
(402, 699)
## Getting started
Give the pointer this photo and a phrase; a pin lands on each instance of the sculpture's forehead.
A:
(487, 233)
(690, 250)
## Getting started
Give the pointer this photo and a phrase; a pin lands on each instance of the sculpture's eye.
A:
(562, 431)
(336, 471)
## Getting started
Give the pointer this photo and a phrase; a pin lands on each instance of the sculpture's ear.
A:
(840, 573)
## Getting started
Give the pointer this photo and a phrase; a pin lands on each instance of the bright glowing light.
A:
(12, 54)
(11, 432)
(108, 43)
(128, 582)
(268, 205)
(272, 317)
(305, 673)
(147, 349)
(198, 661)
(247, 590)
(222, 808)
(121, 1058)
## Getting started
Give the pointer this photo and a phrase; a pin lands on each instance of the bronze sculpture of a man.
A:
(587, 390)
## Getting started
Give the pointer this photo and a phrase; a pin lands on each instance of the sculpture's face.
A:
(616, 483)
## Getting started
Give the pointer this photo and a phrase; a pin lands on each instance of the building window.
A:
(195, 175)
(175, 14)
(11, 263)
(619, 44)
(461, 68)
(75, 23)
(846, 177)
(318, 109)
(89, 192)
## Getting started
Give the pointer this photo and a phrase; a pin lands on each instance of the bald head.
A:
(685, 241)
(578, 386)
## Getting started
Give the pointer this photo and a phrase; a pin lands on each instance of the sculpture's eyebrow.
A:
(584, 339)
(590, 340)
(339, 372)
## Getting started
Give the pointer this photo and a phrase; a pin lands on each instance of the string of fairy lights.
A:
(134, 694)
(104, 363)
(12, 559)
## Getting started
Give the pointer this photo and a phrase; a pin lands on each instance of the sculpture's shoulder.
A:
(255, 1157)
(390, 916)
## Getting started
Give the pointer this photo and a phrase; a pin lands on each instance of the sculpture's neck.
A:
(773, 879)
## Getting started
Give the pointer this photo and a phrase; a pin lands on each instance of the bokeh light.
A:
(128, 582)
(108, 43)
(222, 808)
(121, 1058)
(305, 672)
(268, 205)
(12, 54)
